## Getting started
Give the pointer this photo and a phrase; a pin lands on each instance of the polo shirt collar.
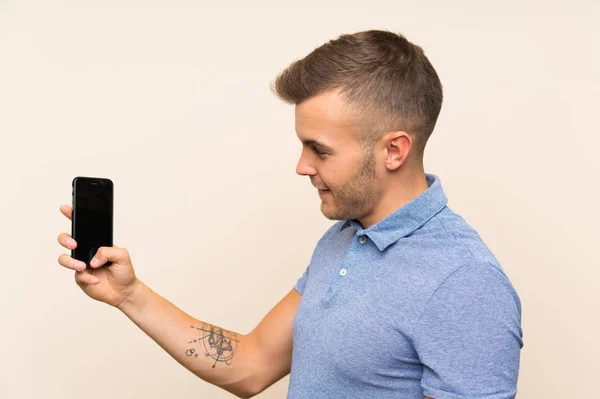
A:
(406, 219)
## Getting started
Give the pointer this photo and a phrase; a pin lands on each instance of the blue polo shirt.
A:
(415, 305)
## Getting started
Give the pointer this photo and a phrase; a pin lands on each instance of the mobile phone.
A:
(92, 217)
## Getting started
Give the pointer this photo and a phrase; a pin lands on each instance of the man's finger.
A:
(85, 278)
(70, 263)
(66, 241)
(67, 211)
(112, 254)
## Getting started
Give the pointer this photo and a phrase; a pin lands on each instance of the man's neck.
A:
(406, 187)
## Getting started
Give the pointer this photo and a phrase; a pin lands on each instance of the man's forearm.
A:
(218, 356)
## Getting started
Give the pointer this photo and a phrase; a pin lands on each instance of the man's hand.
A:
(110, 284)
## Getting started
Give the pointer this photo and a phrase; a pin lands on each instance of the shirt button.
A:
(343, 272)
(362, 239)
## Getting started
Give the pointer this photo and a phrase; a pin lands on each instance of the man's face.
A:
(334, 159)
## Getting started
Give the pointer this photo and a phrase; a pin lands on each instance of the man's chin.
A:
(331, 215)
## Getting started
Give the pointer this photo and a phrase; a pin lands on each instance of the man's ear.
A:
(397, 147)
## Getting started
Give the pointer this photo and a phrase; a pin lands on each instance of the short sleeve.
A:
(469, 336)
(301, 283)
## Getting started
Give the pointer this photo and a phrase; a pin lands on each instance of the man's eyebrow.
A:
(317, 143)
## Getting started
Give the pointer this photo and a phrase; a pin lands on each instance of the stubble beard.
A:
(356, 197)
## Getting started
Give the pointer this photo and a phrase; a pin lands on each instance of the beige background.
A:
(170, 100)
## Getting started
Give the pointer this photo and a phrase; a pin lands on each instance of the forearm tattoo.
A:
(215, 342)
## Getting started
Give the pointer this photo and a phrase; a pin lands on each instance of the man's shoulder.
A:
(458, 240)
(445, 244)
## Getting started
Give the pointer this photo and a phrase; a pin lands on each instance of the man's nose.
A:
(304, 169)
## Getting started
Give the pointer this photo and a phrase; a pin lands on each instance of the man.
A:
(401, 299)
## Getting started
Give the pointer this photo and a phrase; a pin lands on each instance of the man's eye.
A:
(319, 153)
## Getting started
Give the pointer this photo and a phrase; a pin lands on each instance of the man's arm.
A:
(241, 364)
(476, 305)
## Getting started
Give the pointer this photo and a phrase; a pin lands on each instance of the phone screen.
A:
(92, 220)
